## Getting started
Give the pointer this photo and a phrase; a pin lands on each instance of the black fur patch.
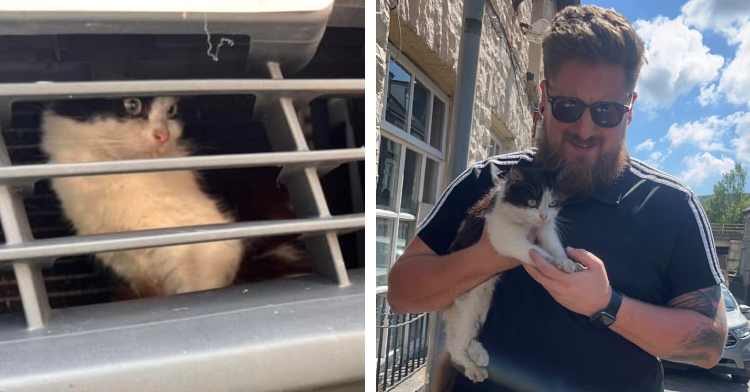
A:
(472, 227)
(92, 109)
(524, 184)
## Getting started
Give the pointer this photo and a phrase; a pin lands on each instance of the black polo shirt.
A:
(656, 244)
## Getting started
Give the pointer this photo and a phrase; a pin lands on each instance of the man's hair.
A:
(592, 35)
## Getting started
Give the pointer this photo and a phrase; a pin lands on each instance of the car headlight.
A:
(742, 332)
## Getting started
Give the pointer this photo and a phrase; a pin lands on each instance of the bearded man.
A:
(651, 287)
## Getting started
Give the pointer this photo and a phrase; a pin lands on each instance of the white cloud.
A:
(702, 166)
(708, 133)
(656, 158)
(677, 61)
(735, 79)
(647, 145)
(731, 18)
(708, 95)
(718, 15)
(705, 133)
(742, 141)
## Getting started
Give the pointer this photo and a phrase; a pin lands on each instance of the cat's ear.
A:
(516, 174)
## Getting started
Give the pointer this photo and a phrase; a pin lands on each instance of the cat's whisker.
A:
(561, 234)
(561, 228)
(561, 220)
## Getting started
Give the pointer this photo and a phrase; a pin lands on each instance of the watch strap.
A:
(606, 317)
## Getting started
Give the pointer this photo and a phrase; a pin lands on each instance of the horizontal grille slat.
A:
(291, 158)
(262, 87)
(63, 246)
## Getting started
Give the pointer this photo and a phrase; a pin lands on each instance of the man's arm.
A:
(422, 281)
(692, 329)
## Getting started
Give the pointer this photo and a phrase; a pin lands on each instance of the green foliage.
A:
(729, 199)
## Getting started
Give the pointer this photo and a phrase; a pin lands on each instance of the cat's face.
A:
(116, 128)
(531, 197)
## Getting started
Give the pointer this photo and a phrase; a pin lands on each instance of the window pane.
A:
(390, 157)
(495, 147)
(430, 182)
(405, 234)
(398, 96)
(419, 111)
(438, 114)
(410, 190)
(383, 234)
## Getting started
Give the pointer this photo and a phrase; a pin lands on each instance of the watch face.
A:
(607, 319)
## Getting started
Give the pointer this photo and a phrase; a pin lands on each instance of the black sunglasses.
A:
(603, 114)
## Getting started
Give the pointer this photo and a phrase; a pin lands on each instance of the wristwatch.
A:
(606, 317)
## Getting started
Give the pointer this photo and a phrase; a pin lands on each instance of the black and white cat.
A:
(90, 130)
(524, 202)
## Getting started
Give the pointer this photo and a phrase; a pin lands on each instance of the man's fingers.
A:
(545, 267)
(538, 273)
(583, 257)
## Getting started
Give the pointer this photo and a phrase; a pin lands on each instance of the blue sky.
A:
(692, 116)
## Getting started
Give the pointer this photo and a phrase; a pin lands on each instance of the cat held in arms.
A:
(90, 130)
(524, 202)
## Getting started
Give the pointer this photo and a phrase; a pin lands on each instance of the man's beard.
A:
(581, 177)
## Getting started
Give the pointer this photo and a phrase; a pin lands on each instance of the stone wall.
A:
(501, 81)
(429, 35)
(381, 41)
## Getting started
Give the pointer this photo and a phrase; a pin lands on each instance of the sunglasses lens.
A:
(567, 110)
(607, 115)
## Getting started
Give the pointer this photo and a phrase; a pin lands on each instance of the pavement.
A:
(412, 384)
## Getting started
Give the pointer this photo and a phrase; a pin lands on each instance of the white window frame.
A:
(405, 140)
(403, 134)
(495, 142)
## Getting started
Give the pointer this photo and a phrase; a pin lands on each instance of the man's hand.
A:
(585, 292)
(691, 329)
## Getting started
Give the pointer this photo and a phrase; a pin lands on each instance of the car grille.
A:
(731, 341)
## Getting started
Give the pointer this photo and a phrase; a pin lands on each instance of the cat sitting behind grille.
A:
(91, 130)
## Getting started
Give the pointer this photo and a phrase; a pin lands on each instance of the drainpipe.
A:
(463, 108)
(463, 102)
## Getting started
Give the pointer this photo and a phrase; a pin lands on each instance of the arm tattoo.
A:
(704, 301)
(706, 338)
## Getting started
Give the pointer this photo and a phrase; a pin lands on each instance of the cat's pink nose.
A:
(543, 215)
(161, 136)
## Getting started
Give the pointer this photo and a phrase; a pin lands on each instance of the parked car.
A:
(736, 358)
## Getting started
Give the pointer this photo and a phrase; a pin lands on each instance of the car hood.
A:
(735, 319)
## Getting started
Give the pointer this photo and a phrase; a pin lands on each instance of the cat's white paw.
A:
(566, 265)
(476, 373)
(478, 354)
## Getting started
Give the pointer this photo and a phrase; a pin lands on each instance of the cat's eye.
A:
(172, 111)
(133, 106)
(553, 203)
(532, 203)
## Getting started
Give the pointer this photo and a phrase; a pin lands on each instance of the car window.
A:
(729, 303)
